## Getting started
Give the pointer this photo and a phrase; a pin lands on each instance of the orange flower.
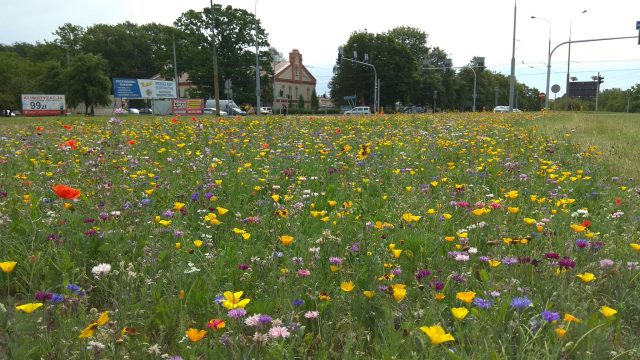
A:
(195, 335)
(66, 192)
(70, 143)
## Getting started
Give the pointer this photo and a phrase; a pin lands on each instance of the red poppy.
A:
(174, 120)
(586, 223)
(68, 127)
(131, 142)
(70, 143)
(39, 128)
(618, 201)
(66, 192)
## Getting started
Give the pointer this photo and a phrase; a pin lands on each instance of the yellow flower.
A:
(466, 296)
(607, 311)
(198, 243)
(88, 331)
(447, 216)
(511, 194)
(286, 240)
(275, 197)
(459, 313)
(560, 332)
(570, 318)
(222, 210)
(332, 203)
(399, 292)
(232, 300)
(635, 247)
(164, 223)
(29, 308)
(449, 238)
(195, 334)
(494, 263)
(178, 206)
(529, 221)
(408, 217)
(436, 334)
(396, 253)
(577, 228)
(178, 246)
(439, 296)
(368, 294)
(246, 236)
(513, 210)
(347, 286)
(7, 266)
(587, 277)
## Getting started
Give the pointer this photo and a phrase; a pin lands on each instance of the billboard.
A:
(143, 89)
(187, 106)
(583, 89)
(42, 105)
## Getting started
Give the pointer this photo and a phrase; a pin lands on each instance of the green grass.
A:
(412, 208)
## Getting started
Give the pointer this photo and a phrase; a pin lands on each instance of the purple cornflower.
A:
(566, 263)
(550, 316)
(436, 285)
(335, 260)
(195, 196)
(264, 319)
(509, 261)
(582, 243)
(219, 299)
(355, 247)
(421, 274)
(520, 303)
(145, 202)
(237, 313)
(297, 302)
(481, 303)
(243, 267)
(208, 195)
(43, 296)
(396, 271)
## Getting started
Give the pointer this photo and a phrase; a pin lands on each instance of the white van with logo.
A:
(359, 110)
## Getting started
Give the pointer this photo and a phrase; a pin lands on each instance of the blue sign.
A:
(637, 25)
(126, 88)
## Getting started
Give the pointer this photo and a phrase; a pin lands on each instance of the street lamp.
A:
(255, 11)
(566, 107)
(546, 99)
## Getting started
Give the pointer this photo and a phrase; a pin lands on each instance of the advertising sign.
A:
(187, 106)
(143, 89)
(43, 105)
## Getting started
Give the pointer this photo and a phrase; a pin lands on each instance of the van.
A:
(228, 106)
(359, 110)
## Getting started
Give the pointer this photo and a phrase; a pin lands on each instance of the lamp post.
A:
(546, 99)
(512, 82)
(255, 11)
(566, 105)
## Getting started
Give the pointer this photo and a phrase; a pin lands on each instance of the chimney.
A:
(295, 55)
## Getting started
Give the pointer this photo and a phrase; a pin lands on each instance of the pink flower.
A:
(279, 332)
(304, 272)
(311, 314)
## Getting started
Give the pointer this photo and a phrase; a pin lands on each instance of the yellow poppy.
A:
(347, 286)
(29, 308)
(7, 266)
(195, 335)
(459, 313)
(436, 334)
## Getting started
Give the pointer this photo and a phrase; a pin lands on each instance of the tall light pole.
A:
(255, 11)
(546, 98)
(216, 89)
(566, 105)
(512, 83)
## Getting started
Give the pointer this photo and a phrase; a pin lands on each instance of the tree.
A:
(236, 34)
(315, 103)
(17, 76)
(69, 38)
(301, 102)
(87, 82)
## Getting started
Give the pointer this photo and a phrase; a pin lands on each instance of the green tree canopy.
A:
(87, 82)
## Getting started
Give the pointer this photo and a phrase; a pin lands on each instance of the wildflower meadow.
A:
(442, 236)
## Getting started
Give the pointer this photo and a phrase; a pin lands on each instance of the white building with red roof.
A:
(292, 80)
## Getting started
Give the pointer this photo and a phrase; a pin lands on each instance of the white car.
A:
(359, 110)
(266, 111)
(505, 109)
(134, 111)
(213, 111)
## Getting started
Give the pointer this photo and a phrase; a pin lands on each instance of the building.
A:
(292, 80)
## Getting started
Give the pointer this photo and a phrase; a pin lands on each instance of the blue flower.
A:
(297, 302)
(520, 303)
(550, 316)
(57, 298)
(481, 303)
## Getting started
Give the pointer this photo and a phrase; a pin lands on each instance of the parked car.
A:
(146, 111)
(266, 111)
(359, 110)
(133, 111)
(7, 113)
(213, 111)
(505, 109)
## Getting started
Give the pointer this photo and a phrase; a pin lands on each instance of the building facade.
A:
(292, 80)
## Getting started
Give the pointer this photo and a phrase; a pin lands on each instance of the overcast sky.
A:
(463, 28)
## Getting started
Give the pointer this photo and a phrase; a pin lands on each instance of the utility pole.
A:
(175, 67)
(216, 89)
(512, 83)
